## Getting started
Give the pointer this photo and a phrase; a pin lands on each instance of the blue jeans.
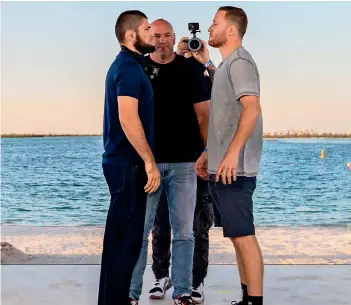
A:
(178, 181)
(161, 235)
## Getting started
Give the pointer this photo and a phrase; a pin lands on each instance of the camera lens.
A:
(194, 45)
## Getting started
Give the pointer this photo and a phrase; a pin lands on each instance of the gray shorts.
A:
(233, 206)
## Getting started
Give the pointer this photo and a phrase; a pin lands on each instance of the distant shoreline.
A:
(266, 136)
(75, 226)
(47, 135)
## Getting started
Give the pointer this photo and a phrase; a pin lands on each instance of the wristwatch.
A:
(209, 63)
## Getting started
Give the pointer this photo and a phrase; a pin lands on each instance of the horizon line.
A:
(276, 134)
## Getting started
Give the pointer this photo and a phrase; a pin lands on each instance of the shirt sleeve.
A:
(199, 87)
(244, 77)
(128, 81)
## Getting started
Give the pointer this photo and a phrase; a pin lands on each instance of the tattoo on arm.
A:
(211, 72)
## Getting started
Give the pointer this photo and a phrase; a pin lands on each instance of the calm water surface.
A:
(59, 181)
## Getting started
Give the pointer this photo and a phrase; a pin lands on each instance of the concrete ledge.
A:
(78, 285)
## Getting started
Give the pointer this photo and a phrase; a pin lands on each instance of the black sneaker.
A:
(184, 299)
(197, 294)
(236, 303)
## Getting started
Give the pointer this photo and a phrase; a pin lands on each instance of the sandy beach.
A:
(83, 245)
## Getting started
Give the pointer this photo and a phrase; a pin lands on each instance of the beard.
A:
(217, 41)
(143, 47)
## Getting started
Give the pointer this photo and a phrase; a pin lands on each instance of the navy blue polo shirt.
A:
(125, 77)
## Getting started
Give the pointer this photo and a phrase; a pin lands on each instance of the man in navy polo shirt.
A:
(128, 163)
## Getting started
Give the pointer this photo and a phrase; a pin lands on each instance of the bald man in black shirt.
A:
(181, 113)
(203, 216)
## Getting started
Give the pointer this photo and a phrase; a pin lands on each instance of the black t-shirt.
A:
(178, 86)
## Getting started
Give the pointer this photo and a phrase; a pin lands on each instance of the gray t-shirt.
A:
(235, 77)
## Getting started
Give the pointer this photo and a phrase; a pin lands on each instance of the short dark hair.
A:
(237, 16)
(128, 20)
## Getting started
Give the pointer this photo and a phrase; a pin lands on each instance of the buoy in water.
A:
(348, 165)
(322, 156)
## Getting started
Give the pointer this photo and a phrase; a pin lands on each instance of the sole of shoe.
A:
(155, 297)
(197, 301)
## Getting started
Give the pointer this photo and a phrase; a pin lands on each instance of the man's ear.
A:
(232, 30)
(130, 35)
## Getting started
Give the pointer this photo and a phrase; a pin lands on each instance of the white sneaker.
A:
(159, 288)
(198, 294)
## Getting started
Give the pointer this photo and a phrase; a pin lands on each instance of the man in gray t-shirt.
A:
(236, 78)
(234, 145)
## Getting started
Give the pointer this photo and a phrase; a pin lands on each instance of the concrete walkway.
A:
(78, 285)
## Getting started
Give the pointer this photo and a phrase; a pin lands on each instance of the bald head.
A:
(164, 38)
(162, 23)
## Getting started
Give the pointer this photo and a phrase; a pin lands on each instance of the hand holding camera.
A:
(194, 46)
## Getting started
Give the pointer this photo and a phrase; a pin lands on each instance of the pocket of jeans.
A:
(115, 177)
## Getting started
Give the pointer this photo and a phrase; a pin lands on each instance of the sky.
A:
(55, 55)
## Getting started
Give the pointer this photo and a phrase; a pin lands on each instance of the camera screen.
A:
(193, 26)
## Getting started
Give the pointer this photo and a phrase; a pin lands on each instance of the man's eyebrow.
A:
(167, 33)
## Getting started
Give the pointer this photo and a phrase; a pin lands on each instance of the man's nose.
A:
(162, 39)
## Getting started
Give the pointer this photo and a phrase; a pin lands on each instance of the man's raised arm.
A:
(203, 56)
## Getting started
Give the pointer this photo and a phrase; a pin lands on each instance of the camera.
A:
(194, 43)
